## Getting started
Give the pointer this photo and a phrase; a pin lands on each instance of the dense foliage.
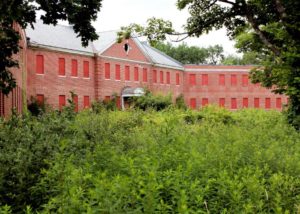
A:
(208, 161)
(79, 13)
(192, 54)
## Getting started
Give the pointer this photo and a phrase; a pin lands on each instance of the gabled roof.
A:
(64, 38)
(56, 37)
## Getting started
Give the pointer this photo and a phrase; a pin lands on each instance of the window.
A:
(106, 98)
(177, 79)
(118, 72)
(204, 102)
(233, 103)
(75, 100)
(86, 101)
(1, 104)
(86, 69)
(40, 99)
(40, 64)
(233, 80)
(256, 102)
(245, 102)
(222, 102)
(154, 76)
(136, 74)
(127, 73)
(161, 74)
(61, 67)
(221, 79)
(61, 101)
(74, 72)
(268, 103)
(278, 102)
(107, 71)
(193, 103)
(168, 78)
(245, 80)
(192, 79)
(118, 102)
(145, 75)
(204, 79)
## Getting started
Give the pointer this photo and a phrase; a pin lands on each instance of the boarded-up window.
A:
(75, 100)
(1, 104)
(161, 77)
(192, 79)
(278, 102)
(145, 75)
(118, 72)
(222, 102)
(245, 102)
(154, 76)
(106, 98)
(136, 74)
(204, 102)
(256, 102)
(221, 79)
(107, 70)
(268, 103)
(40, 99)
(127, 73)
(245, 80)
(193, 103)
(86, 101)
(177, 79)
(61, 67)
(39, 64)
(233, 80)
(233, 103)
(74, 72)
(61, 101)
(118, 102)
(86, 69)
(204, 79)
(168, 78)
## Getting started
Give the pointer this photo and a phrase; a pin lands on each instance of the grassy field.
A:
(172, 161)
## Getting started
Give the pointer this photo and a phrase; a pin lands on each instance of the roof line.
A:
(160, 52)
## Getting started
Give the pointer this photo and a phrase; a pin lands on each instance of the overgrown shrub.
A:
(150, 101)
(168, 161)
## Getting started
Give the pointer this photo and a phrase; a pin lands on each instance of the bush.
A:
(150, 101)
(168, 161)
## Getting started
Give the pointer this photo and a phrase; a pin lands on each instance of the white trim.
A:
(216, 70)
(65, 50)
(122, 59)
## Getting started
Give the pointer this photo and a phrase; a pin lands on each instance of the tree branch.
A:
(281, 10)
(262, 35)
(228, 2)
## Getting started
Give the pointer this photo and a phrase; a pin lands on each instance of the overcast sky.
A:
(117, 13)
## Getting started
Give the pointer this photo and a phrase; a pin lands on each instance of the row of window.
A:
(233, 79)
(234, 102)
(40, 68)
(62, 101)
(164, 77)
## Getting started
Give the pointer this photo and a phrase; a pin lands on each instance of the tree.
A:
(192, 54)
(79, 13)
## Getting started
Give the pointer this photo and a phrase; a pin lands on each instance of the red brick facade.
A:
(50, 74)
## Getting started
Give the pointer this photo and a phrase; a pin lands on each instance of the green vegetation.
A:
(208, 161)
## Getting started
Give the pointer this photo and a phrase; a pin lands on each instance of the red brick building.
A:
(53, 63)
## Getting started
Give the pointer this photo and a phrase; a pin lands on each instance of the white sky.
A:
(117, 13)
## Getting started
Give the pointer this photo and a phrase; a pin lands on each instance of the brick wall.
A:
(15, 98)
(51, 85)
(228, 86)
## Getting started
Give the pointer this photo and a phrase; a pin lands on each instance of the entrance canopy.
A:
(131, 92)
